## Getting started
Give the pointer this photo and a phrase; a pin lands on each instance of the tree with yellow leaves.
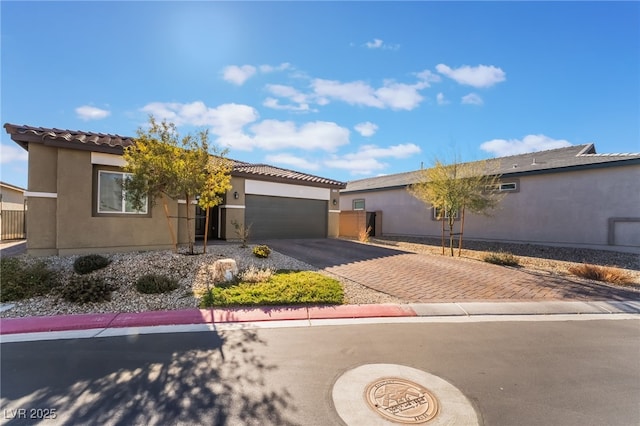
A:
(456, 188)
(164, 165)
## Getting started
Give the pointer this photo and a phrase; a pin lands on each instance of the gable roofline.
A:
(115, 144)
(10, 186)
(575, 157)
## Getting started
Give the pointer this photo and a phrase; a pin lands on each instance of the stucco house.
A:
(76, 205)
(12, 212)
(569, 196)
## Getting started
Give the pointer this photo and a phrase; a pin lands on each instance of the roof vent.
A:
(515, 166)
(534, 162)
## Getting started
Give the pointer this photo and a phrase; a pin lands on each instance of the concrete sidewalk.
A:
(308, 313)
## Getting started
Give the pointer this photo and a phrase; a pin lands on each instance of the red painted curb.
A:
(150, 318)
(222, 315)
(55, 323)
(360, 311)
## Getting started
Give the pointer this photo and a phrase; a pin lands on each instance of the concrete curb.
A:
(241, 315)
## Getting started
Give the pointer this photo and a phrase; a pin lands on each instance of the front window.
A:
(358, 204)
(112, 198)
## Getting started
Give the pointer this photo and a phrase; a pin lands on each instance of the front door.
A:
(201, 220)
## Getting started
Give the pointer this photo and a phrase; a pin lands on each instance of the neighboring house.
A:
(12, 212)
(77, 206)
(568, 196)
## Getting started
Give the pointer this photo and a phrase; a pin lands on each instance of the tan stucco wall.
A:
(233, 209)
(570, 208)
(333, 227)
(79, 231)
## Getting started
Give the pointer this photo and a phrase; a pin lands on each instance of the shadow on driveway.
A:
(327, 252)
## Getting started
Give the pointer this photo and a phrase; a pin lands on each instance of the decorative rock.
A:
(224, 270)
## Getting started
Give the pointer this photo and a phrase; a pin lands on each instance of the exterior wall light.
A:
(236, 195)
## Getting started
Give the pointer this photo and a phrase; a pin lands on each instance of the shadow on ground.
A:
(327, 252)
(161, 379)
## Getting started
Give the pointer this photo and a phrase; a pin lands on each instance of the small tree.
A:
(455, 189)
(164, 165)
(218, 180)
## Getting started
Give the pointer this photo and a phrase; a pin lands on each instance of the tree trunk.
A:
(443, 235)
(461, 232)
(206, 230)
(171, 230)
(189, 230)
(452, 222)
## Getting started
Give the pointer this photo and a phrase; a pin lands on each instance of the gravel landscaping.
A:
(125, 268)
(190, 271)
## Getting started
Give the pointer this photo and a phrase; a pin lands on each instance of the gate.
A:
(13, 225)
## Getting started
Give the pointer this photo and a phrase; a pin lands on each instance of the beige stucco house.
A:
(570, 196)
(12, 212)
(77, 206)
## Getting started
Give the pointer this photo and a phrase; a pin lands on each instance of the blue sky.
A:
(344, 90)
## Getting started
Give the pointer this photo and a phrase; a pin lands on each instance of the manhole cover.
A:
(401, 400)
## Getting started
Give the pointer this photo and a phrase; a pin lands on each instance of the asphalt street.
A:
(579, 372)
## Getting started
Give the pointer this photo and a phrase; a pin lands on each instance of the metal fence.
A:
(13, 225)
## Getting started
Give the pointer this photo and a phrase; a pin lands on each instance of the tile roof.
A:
(242, 169)
(100, 142)
(115, 144)
(554, 160)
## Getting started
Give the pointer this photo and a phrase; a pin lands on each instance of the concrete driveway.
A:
(427, 278)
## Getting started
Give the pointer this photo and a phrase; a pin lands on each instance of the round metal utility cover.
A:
(401, 400)
(412, 396)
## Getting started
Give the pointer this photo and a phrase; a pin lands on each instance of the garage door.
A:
(280, 217)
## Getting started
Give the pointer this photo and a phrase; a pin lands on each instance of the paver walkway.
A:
(425, 278)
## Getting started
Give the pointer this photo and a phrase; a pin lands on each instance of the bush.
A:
(19, 280)
(153, 284)
(255, 275)
(501, 258)
(284, 288)
(601, 273)
(261, 251)
(87, 290)
(90, 263)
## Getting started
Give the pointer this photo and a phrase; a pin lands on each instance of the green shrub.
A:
(19, 280)
(86, 289)
(502, 258)
(90, 263)
(261, 251)
(153, 283)
(284, 288)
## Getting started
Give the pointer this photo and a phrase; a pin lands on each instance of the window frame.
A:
(98, 212)
(357, 200)
(502, 187)
(434, 215)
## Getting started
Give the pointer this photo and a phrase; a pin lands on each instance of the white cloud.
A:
(238, 74)
(270, 68)
(365, 160)
(10, 153)
(379, 44)
(530, 143)
(300, 100)
(480, 76)
(87, 112)
(366, 129)
(391, 95)
(293, 161)
(427, 77)
(275, 104)
(441, 99)
(228, 122)
(276, 134)
(472, 99)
